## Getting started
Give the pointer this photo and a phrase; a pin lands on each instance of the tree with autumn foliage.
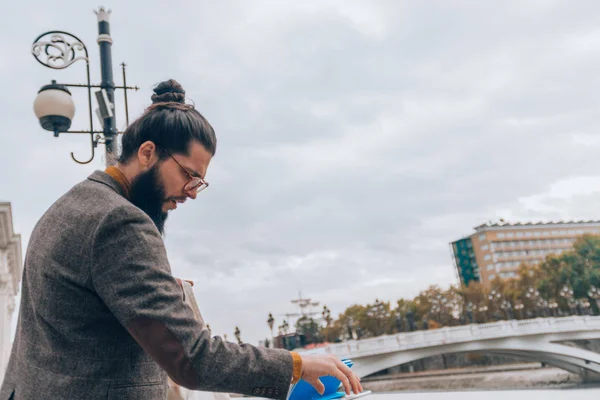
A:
(560, 285)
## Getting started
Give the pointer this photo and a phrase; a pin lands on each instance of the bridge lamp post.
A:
(439, 304)
(494, 298)
(553, 306)
(519, 307)
(483, 309)
(594, 293)
(469, 312)
(507, 307)
(567, 293)
(533, 295)
(545, 306)
(585, 305)
(350, 326)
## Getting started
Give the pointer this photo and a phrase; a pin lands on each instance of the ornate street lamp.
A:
(326, 313)
(469, 312)
(238, 335)
(496, 300)
(534, 295)
(553, 306)
(594, 293)
(271, 322)
(54, 106)
(519, 307)
(567, 293)
(483, 309)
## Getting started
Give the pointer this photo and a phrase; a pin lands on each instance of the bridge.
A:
(535, 339)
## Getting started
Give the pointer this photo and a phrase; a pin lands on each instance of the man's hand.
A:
(315, 366)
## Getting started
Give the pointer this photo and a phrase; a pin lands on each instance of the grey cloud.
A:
(349, 154)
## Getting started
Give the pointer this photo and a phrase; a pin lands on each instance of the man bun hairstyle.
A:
(168, 91)
(169, 123)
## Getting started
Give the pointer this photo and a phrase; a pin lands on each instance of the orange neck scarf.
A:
(118, 176)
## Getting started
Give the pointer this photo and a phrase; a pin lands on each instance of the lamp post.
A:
(326, 313)
(534, 295)
(594, 293)
(376, 312)
(54, 106)
(271, 322)
(438, 308)
(519, 307)
(553, 305)
(483, 310)
(469, 312)
(567, 293)
(495, 299)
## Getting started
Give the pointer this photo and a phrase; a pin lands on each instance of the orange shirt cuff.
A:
(297, 371)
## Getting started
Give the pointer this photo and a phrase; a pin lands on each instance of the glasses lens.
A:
(196, 184)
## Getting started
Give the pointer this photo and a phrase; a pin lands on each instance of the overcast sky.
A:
(356, 138)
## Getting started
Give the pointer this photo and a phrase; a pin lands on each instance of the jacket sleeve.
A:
(131, 273)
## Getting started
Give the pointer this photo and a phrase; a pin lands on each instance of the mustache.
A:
(177, 198)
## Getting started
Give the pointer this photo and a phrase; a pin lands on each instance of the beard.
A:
(148, 193)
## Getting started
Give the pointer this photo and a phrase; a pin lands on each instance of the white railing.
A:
(459, 334)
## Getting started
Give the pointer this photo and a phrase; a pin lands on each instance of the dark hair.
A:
(170, 123)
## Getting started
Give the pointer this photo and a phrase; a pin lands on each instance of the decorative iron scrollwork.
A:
(59, 50)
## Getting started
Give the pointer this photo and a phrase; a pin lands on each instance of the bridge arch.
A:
(565, 357)
(537, 339)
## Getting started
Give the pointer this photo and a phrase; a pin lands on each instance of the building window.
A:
(485, 247)
(519, 234)
(487, 257)
(492, 276)
(555, 233)
(490, 267)
(500, 235)
(537, 233)
(510, 234)
(528, 234)
(482, 237)
(546, 233)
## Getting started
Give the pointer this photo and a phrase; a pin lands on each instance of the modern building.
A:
(498, 249)
(10, 277)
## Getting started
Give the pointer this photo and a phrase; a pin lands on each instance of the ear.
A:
(147, 154)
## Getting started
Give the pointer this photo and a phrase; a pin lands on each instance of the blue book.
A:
(303, 390)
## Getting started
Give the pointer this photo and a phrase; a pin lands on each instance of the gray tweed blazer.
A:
(101, 316)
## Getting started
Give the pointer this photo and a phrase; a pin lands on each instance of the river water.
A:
(531, 394)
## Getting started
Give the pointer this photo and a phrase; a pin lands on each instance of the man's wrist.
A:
(297, 367)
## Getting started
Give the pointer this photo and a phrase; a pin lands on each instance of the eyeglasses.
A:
(194, 182)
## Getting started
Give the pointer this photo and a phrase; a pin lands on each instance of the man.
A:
(101, 316)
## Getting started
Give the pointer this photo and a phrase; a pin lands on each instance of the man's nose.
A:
(192, 194)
